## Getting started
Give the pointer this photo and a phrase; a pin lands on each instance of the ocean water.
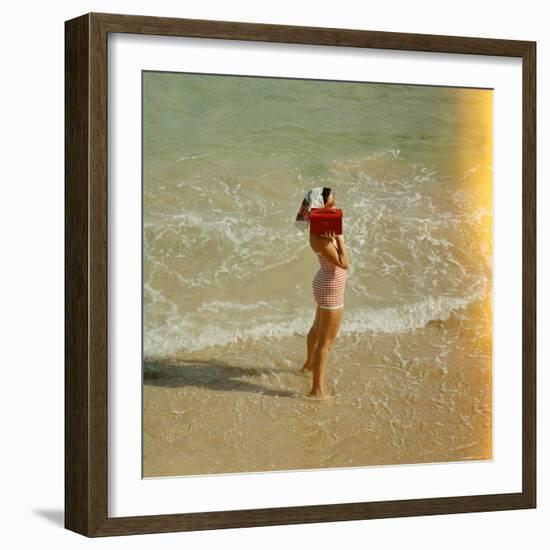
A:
(226, 163)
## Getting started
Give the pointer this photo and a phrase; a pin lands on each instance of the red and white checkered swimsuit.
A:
(329, 284)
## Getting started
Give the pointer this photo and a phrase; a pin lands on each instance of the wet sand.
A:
(421, 396)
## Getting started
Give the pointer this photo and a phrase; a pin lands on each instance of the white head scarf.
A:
(313, 199)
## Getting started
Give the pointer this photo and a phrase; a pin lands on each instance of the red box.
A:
(323, 219)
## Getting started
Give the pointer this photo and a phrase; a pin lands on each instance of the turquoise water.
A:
(226, 162)
(303, 123)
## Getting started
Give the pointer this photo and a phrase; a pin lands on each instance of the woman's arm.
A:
(342, 250)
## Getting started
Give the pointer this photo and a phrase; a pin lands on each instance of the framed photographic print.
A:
(300, 274)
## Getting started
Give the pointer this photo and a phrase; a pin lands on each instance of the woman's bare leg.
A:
(329, 323)
(312, 339)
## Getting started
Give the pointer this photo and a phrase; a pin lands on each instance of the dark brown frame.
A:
(86, 284)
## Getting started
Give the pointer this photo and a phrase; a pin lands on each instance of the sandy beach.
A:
(400, 399)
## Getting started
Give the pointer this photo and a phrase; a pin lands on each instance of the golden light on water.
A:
(474, 155)
(474, 161)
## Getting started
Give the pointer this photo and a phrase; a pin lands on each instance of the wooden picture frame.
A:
(86, 268)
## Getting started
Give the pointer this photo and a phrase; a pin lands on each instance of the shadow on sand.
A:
(212, 374)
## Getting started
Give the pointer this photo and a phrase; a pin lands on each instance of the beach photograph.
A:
(269, 347)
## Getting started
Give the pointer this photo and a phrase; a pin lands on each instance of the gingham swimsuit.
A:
(329, 284)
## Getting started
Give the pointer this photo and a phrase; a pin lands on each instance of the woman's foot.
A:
(306, 368)
(324, 397)
(319, 396)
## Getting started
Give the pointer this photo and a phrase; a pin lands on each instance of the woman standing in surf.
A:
(328, 288)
